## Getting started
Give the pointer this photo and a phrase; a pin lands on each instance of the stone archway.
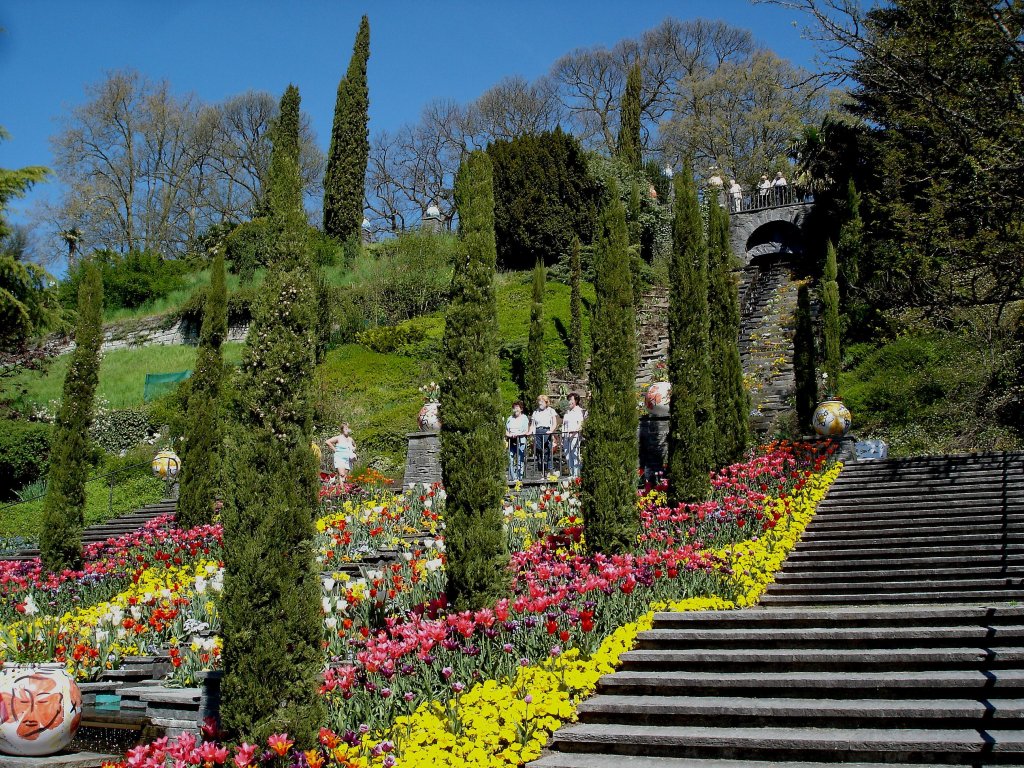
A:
(754, 233)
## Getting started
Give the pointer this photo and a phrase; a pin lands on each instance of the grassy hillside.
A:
(122, 375)
(376, 391)
(925, 393)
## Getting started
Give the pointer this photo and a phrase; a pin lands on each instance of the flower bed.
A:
(404, 679)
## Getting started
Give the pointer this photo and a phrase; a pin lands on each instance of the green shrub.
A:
(325, 250)
(24, 455)
(248, 248)
(119, 430)
(129, 280)
(404, 277)
(391, 338)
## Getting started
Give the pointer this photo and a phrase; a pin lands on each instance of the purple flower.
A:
(447, 672)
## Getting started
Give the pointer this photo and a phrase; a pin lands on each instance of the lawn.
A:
(122, 375)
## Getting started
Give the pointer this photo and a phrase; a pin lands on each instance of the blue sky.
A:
(51, 49)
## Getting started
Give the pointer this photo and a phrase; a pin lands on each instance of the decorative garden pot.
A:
(166, 464)
(657, 397)
(40, 709)
(430, 417)
(832, 419)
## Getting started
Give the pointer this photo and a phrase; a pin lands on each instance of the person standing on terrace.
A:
(344, 448)
(516, 427)
(542, 425)
(572, 430)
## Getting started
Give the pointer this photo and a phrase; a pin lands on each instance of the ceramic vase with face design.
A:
(40, 709)
(657, 398)
(429, 417)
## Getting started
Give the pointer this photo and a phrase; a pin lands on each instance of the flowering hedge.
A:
(405, 679)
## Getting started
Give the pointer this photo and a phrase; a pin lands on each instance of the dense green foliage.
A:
(350, 146)
(63, 510)
(248, 248)
(27, 303)
(544, 196)
(24, 454)
(830, 312)
(608, 492)
(932, 391)
(536, 379)
(629, 148)
(691, 437)
(576, 351)
(472, 444)
(804, 360)
(271, 609)
(129, 280)
(939, 86)
(732, 408)
(201, 451)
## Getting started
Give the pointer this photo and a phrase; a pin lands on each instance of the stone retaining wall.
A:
(152, 331)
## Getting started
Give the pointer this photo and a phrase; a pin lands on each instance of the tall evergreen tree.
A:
(350, 145)
(691, 437)
(201, 452)
(610, 448)
(535, 373)
(60, 542)
(830, 307)
(472, 443)
(576, 364)
(271, 611)
(851, 242)
(732, 408)
(629, 148)
(804, 365)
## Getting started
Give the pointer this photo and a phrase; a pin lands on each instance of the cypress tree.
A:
(732, 409)
(804, 360)
(535, 379)
(830, 305)
(272, 620)
(610, 448)
(629, 149)
(472, 438)
(60, 542)
(851, 242)
(691, 437)
(576, 364)
(350, 145)
(201, 452)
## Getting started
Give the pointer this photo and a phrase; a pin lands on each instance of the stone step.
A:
(955, 518)
(828, 509)
(796, 712)
(903, 494)
(852, 685)
(930, 477)
(823, 660)
(831, 637)
(823, 562)
(907, 536)
(854, 536)
(958, 571)
(903, 549)
(898, 597)
(910, 584)
(921, 501)
(958, 746)
(831, 617)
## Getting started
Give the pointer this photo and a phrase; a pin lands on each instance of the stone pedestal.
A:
(653, 445)
(423, 460)
(69, 760)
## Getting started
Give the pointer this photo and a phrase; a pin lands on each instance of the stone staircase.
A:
(116, 526)
(894, 635)
(767, 309)
(652, 346)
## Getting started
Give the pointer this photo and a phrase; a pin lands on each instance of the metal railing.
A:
(774, 197)
(537, 457)
(110, 479)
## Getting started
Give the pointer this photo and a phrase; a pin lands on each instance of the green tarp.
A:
(160, 383)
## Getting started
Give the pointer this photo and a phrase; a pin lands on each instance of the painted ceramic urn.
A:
(429, 418)
(40, 709)
(832, 419)
(657, 397)
(166, 464)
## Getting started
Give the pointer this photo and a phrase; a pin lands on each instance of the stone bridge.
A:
(770, 226)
